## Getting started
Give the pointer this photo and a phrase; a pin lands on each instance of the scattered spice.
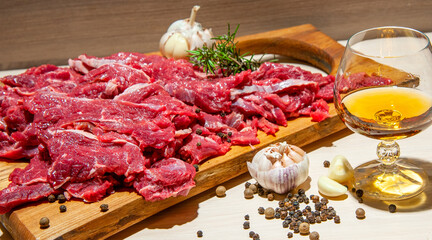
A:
(336, 219)
(62, 208)
(251, 234)
(326, 163)
(247, 184)
(248, 193)
(359, 193)
(269, 213)
(353, 189)
(104, 207)
(198, 131)
(261, 210)
(196, 166)
(44, 222)
(198, 144)
(199, 233)
(314, 236)
(304, 228)
(222, 114)
(254, 188)
(229, 134)
(61, 198)
(360, 200)
(51, 198)
(285, 224)
(256, 236)
(246, 225)
(392, 208)
(360, 213)
(221, 191)
(197, 110)
(270, 196)
(290, 235)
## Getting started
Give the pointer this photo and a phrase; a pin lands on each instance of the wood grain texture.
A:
(84, 220)
(51, 31)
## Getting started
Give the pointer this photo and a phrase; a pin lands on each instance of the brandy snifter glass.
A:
(383, 90)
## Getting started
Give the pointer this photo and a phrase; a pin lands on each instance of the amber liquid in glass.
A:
(387, 113)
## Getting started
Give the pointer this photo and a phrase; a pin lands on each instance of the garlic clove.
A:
(340, 170)
(273, 168)
(330, 187)
(176, 46)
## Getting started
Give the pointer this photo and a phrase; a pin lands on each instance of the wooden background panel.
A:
(51, 31)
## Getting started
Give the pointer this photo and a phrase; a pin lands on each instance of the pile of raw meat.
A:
(140, 121)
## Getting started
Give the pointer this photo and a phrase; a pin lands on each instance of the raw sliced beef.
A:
(69, 151)
(138, 120)
(15, 195)
(167, 178)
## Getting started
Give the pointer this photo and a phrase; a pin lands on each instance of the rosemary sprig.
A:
(223, 56)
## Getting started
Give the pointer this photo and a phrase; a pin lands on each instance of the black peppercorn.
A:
(336, 219)
(222, 114)
(229, 134)
(246, 217)
(104, 207)
(51, 198)
(285, 224)
(290, 235)
(301, 191)
(62, 208)
(326, 163)
(251, 234)
(198, 144)
(44, 222)
(198, 131)
(196, 166)
(261, 210)
(256, 236)
(197, 110)
(61, 198)
(199, 233)
(392, 208)
(359, 193)
(247, 184)
(246, 225)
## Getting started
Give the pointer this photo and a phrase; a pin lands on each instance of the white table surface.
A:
(222, 218)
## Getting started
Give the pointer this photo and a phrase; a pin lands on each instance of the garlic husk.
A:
(280, 167)
(185, 35)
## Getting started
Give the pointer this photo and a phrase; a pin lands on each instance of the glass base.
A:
(398, 181)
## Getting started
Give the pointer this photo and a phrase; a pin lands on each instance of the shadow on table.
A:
(420, 202)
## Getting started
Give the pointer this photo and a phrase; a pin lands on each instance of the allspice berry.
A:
(269, 213)
(314, 236)
(220, 191)
(248, 193)
(360, 213)
(270, 196)
(304, 228)
(44, 222)
(254, 188)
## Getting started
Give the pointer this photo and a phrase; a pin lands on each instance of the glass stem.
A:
(388, 152)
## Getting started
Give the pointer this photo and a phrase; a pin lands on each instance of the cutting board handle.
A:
(304, 43)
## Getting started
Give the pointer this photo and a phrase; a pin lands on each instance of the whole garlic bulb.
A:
(183, 35)
(280, 167)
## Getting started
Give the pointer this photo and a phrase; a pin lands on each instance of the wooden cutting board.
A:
(86, 221)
